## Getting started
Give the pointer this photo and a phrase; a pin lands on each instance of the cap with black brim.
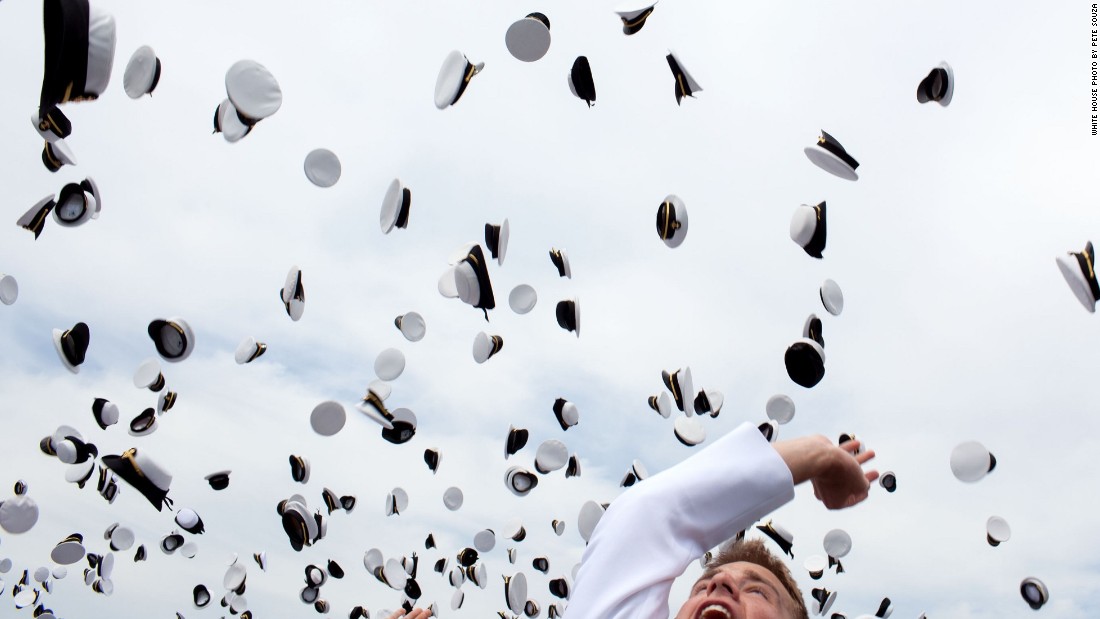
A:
(588, 517)
(69, 550)
(190, 521)
(72, 345)
(322, 167)
(568, 313)
(829, 155)
(1034, 592)
(432, 458)
(142, 73)
(824, 598)
(550, 456)
(145, 423)
(1079, 271)
(404, 427)
(229, 123)
(708, 402)
(528, 39)
(805, 362)
(561, 262)
(148, 376)
(889, 481)
(293, 294)
(566, 413)
(681, 385)
(685, 86)
(812, 330)
(938, 86)
(634, 17)
(997, 531)
(672, 221)
(971, 461)
(496, 240)
(75, 206)
(79, 52)
(780, 408)
(580, 81)
(249, 350)
(173, 338)
(35, 218)
(454, 77)
(661, 403)
(253, 90)
(56, 155)
(517, 439)
(218, 480)
(808, 228)
(105, 413)
(815, 565)
(485, 346)
(472, 281)
(411, 325)
(832, 297)
(395, 207)
(779, 535)
(522, 299)
(515, 592)
(837, 543)
(520, 481)
(689, 431)
(143, 473)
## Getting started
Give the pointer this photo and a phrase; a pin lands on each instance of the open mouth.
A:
(715, 611)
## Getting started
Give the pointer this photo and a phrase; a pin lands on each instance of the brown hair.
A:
(754, 551)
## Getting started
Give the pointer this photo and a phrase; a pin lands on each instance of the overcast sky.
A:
(956, 326)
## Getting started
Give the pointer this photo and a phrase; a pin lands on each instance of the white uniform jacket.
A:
(650, 534)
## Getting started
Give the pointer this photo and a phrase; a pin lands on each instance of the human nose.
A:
(723, 583)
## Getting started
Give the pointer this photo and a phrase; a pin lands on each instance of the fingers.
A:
(398, 614)
(872, 476)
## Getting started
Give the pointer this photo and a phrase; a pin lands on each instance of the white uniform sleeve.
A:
(650, 534)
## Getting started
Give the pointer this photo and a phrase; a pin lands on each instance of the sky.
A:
(957, 324)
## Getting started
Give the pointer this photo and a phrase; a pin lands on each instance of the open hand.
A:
(417, 613)
(836, 472)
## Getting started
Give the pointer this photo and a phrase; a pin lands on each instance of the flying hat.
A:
(837, 543)
(517, 438)
(661, 403)
(189, 521)
(573, 467)
(315, 576)
(1080, 274)
(249, 350)
(142, 73)
(780, 408)
(80, 51)
(559, 587)
(432, 458)
(229, 123)
(72, 345)
(832, 297)
(105, 412)
(672, 221)
(561, 262)
(144, 474)
(472, 281)
(373, 407)
(522, 299)
(466, 557)
(261, 559)
(558, 526)
(389, 364)
(805, 361)
(404, 427)
(587, 519)
(971, 461)
(830, 156)
(997, 530)
(528, 39)
(165, 401)
(636, 473)
(889, 481)
(779, 535)
(815, 565)
(173, 338)
(35, 218)
(824, 599)
(79, 474)
(485, 540)
(299, 469)
(454, 76)
(148, 376)
(395, 207)
(680, 384)
(485, 346)
(938, 86)
(452, 498)
(293, 294)
(569, 315)
(550, 456)
(69, 550)
(566, 413)
(1035, 593)
(634, 16)
(520, 481)
(514, 530)
(9, 289)
(496, 240)
(686, 85)
(411, 326)
(53, 125)
(541, 564)
(885, 608)
(811, 330)
(689, 431)
(580, 81)
(328, 418)
(253, 91)
(77, 204)
(515, 591)
(322, 167)
(218, 480)
(808, 228)
(56, 155)
(708, 402)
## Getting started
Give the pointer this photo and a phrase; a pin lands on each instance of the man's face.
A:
(737, 591)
